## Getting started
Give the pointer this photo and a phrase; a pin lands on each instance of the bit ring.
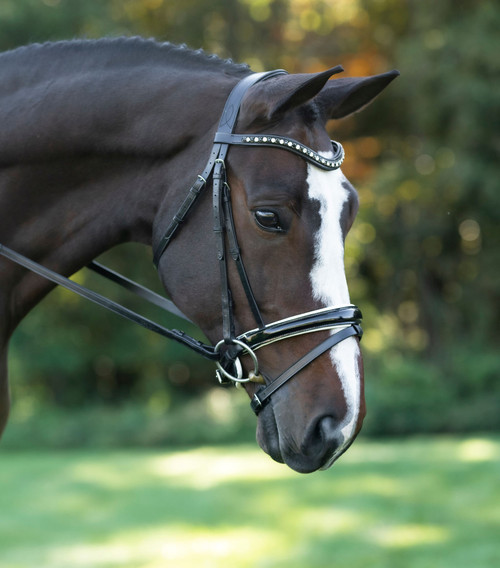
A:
(239, 378)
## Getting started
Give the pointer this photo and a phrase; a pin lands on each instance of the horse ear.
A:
(296, 89)
(270, 99)
(342, 97)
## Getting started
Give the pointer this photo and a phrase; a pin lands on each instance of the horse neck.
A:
(87, 158)
(91, 101)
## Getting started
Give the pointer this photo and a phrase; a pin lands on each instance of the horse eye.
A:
(268, 220)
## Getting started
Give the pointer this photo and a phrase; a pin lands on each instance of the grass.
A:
(426, 502)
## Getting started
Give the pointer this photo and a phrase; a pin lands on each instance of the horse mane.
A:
(53, 94)
(127, 51)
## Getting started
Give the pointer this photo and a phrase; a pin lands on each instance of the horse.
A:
(100, 141)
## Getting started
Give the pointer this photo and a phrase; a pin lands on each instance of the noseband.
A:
(342, 322)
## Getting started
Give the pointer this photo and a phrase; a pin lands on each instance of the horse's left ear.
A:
(342, 97)
(297, 89)
(269, 100)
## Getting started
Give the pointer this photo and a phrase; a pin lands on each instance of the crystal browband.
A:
(274, 140)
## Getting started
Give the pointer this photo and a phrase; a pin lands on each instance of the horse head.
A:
(291, 217)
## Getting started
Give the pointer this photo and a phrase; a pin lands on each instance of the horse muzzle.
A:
(322, 445)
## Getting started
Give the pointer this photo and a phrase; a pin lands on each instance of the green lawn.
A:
(427, 502)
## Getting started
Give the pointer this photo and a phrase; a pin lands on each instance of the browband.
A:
(285, 143)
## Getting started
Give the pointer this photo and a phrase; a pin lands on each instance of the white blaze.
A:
(329, 283)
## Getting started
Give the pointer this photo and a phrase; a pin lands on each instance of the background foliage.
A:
(422, 258)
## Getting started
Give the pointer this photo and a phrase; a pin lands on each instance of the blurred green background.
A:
(422, 258)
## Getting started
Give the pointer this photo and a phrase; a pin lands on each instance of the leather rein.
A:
(343, 322)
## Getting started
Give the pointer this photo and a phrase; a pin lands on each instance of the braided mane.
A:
(129, 50)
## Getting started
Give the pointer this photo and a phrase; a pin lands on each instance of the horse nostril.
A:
(324, 439)
(329, 429)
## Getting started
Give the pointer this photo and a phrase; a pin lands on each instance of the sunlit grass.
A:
(409, 504)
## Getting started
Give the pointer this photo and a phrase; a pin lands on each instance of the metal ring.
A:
(239, 378)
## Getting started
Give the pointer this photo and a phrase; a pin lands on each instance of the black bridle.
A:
(343, 322)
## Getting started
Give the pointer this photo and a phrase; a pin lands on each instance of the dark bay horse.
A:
(99, 142)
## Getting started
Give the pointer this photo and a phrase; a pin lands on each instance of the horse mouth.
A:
(319, 450)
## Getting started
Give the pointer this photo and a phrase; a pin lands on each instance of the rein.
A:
(202, 349)
(342, 322)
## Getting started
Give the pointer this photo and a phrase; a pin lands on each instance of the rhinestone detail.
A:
(297, 147)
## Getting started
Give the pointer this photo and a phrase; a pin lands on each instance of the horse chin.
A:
(268, 435)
